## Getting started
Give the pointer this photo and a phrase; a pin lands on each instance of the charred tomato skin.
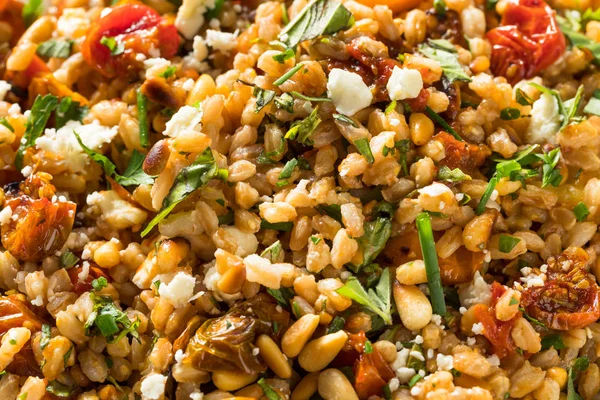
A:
(136, 27)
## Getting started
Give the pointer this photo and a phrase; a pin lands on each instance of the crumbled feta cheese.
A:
(545, 120)
(436, 319)
(179, 356)
(477, 328)
(179, 291)
(14, 109)
(190, 16)
(401, 359)
(430, 353)
(4, 89)
(27, 170)
(462, 310)
(188, 85)
(348, 91)
(404, 83)
(415, 391)
(418, 355)
(196, 395)
(211, 278)
(494, 360)
(86, 254)
(186, 118)
(221, 41)
(153, 386)
(394, 384)
(255, 351)
(436, 189)
(260, 270)
(214, 23)
(471, 341)
(418, 339)
(85, 271)
(476, 292)
(38, 301)
(5, 215)
(404, 374)
(118, 213)
(63, 143)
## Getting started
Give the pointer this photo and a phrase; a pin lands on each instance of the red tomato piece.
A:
(527, 41)
(466, 156)
(136, 27)
(80, 287)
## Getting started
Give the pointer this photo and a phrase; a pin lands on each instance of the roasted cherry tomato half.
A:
(82, 286)
(135, 29)
(567, 300)
(527, 41)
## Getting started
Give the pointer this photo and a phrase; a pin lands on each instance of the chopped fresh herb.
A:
(285, 55)
(32, 9)
(441, 122)
(36, 122)
(99, 283)
(4, 122)
(22, 396)
(168, 72)
(302, 130)
(215, 11)
(58, 389)
(550, 175)
(579, 365)
(431, 263)
(368, 347)
(310, 98)
(157, 284)
(286, 172)
(593, 105)
(444, 53)
(489, 189)
(12, 342)
(513, 301)
(491, 4)
(332, 210)
(277, 226)
(46, 335)
(508, 114)
(553, 340)
(134, 174)
(319, 17)
(284, 14)
(275, 327)
(440, 7)
(363, 147)
(268, 390)
(187, 181)
(142, 107)
(287, 75)
(111, 43)
(67, 356)
(580, 40)
(285, 102)
(68, 259)
(263, 97)
(55, 48)
(465, 200)
(373, 241)
(387, 392)
(296, 310)
(523, 98)
(337, 324)
(403, 147)
(506, 243)
(315, 239)
(531, 319)
(377, 300)
(227, 219)
(109, 321)
(272, 252)
(345, 119)
(567, 109)
(413, 381)
(69, 110)
(581, 211)
(452, 175)
(391, 107)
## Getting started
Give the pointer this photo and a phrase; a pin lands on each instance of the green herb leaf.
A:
(268, 390)
(391, 107)
(553, 340)
(373, 241)
(507, 243)
(286, 172)
(107, 165)
(263, 97)
(68, 259)
(283, 296)
(368, 347)
(441, 122)
(58, 389)
(69, 110)
(431, 263)
(489, 189)
(332, 210)
(134, 175)
(99, 283)
(55, 48)
(581, 211)
(169, 72)
(277, 226)
(109, 321)
(593, 105)
(550, 176)
(285, 102)
(214, 12)
(413, 381)
(142, 108)
(579, 364)
(67, 356)
(337, 324)
(287, 75)
(285, 55)
(36, 122)
(31, 11)
(111, 43)
(302, 130)
(272, 252)
(377, 301)
(4, 122)
(310, 98)
(523, 98)
(440, 7)
(46, 335)
(363, 147)
(508, 114)
(319, 17)
(452, 175)
(187, 181)
(345, 119)
(444, 53)
(580, 40)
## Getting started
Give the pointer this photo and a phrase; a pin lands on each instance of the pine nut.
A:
(298, 334)
(333, 385)
(413, 306)
(318, 353)
(233, 279)
(306, 387)
(273, 357)
(228, 381)
(411, 273)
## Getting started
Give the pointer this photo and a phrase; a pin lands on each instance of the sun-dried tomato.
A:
(85, 285)
(569, 299)
(466, 156)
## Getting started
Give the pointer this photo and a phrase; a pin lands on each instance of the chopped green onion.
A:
(440, 121)
(507, 243)
(142, 105)
(431, 263)
(486, 195)
(362, 145)
(287, 75)
(581, 211)
(509, 114)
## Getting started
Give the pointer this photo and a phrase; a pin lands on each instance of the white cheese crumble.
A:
(186, 118)
(211, 278)
(179, 356)
(63, 143)
(404, 374)
(476, 292)
(179, 291)
(545, 120)
(190, 16)
(477, 328)
(255, 351)
(38, 301)
(14, 109)
(4, 89)
(222, 41)
(394, 384)
(348, 91)
(418, 339)
(27, 170)
(153, 386)
(196, 395)
(494, 360)
(404, 83)
(5, 215)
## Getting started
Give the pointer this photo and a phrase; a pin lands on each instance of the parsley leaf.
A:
(364, 148)
(581, 211)
(285, 55)
(40, 113)
(378, 300)
(59, 390)
(68, 259)
(46, 336)
(578, 39)
(507, 243)
(187, 181)
(134, 174)
(550, 176)
(111, 43)
(553, 340)
(579, 364)
(301, 130)
(263, 97)
(444, 52)
(99, 283)
(55, 48)
(452, 175)
(319, 17)
(337, 324)
(32, 11)
(373, 241)
(593, 105)
(69, 110)
(168, 72)
(109, 321)
(268, 390)
(286, 172)
(5, 123)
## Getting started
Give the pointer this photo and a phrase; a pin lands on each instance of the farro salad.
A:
(325, 199)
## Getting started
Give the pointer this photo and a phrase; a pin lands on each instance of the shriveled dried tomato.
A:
(38, 226)
(527, 41)
(138, 29)
(85, 285)
(466, 156)
(569, 299)
(496, 331)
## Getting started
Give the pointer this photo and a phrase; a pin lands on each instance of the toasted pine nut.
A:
(333, 385)
(413, 306)
(318, 353)
(298, 334)
(273, 357)
(411, 273)
(306, 387)
(229, 381)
